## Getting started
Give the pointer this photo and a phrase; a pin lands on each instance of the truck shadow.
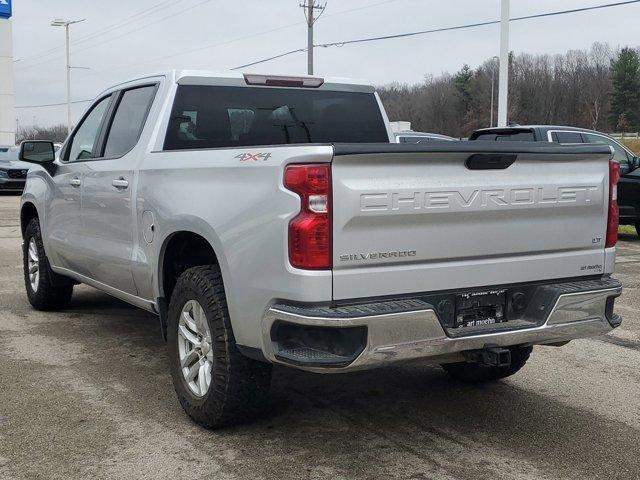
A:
(395, 422)
(421, 413)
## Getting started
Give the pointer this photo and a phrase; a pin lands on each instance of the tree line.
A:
(56, 133)
(597, 88)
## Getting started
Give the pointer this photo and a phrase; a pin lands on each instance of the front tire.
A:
(475, 373)
(216, 385)
(45, 289)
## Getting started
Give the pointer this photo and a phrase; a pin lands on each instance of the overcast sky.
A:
(117, 41)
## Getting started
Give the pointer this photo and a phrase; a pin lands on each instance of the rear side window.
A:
(128, 120)
(619, 153)
(567, 137)
(515, 136)
(416, 139)
(211, 116)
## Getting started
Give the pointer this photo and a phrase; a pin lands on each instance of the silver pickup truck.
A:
(269, 220)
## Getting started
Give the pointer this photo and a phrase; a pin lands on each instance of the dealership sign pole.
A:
(7, 110)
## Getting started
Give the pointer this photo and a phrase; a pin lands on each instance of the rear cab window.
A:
(510, 135)
(225, 116)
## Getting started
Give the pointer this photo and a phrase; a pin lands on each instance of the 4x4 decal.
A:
(253, 157)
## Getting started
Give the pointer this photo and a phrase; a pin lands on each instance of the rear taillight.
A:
(310, 230)
(614, 215)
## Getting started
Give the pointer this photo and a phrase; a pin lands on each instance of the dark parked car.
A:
(629, 186)
(13, 173)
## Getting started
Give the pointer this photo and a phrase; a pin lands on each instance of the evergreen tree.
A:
(625, 100)
(462, 82)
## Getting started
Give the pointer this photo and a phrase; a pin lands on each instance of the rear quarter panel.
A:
(235, 199)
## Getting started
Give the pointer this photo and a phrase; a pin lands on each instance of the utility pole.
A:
(503, 94)
(310, 9)
(66, 23)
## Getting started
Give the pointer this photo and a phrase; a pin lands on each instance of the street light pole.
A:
(68, 56)
(493, 81)
(66, 23)
(503, 94)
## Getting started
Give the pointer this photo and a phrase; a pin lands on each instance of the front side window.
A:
(84, 139)
(619, 153)
(213, 116)
(129, 120)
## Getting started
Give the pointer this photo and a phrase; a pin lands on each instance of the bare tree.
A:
(570, 89)
(57, 133)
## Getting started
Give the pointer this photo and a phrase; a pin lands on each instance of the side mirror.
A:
(37, 151)
(635, 163)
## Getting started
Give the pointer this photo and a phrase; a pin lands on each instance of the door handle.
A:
(75, 182)
(120, 183)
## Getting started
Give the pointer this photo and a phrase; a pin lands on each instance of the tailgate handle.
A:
(490, 161)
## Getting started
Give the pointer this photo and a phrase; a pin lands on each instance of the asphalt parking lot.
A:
(86, 393)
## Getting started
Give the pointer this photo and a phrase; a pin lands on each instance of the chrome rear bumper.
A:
(582, 311)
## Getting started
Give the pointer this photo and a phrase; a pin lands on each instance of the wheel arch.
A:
(28, 211)
(181, 250)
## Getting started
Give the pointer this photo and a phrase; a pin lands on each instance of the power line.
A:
(131, 19)
(436, 30)
(386, 37)
(162, 19)
(270, 58)
(53, 104)
(182, 53)
(479, 24)
(364, 7)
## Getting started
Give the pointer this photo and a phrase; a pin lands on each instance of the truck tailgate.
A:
(410, 218)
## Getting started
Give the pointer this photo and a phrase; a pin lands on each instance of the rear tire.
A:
(228, 387)
(474, 373)
(46, 290)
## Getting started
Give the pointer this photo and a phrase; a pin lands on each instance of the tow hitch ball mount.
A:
(489, 356)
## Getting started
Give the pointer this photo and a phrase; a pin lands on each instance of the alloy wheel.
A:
(194, 348)
(33, 264)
